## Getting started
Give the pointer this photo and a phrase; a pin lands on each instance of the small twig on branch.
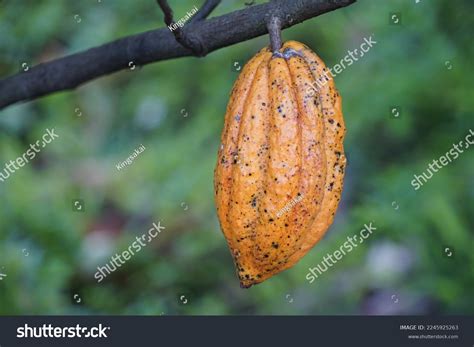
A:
(168, 12)
(186, 41)
(71, 71)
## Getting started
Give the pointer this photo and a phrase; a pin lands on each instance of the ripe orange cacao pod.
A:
(280, 167)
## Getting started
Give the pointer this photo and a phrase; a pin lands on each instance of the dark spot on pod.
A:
(254, 202)
(275, 245)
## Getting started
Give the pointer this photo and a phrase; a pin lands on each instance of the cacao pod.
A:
(280, 167)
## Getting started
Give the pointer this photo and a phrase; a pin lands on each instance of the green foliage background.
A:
(175, 109)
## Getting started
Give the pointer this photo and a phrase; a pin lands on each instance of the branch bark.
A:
(205, 10)
(71, 71)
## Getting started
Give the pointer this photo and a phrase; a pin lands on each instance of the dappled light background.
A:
(50, 251)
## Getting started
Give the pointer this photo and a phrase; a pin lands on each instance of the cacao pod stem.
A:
(274, 30)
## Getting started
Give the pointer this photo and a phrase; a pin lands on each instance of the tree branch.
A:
(205, 10)
(167, 11)
(71, 71)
